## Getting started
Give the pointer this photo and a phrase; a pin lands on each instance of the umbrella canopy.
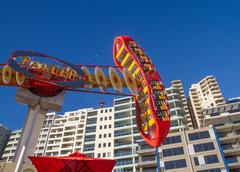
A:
(75, 162)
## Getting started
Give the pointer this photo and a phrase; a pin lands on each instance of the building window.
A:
(172, 140)
(196, 161)
(100, 127)
(231, 159)
(100, 136)
(101, 118)
(105, 126)
(104, 145)
(211, 170)
(110, 117)
(104, 154)
(109, 144)
(99, 145)
(105, 135)
(110, 110)
(99, 155)
(109, 126)
(105, 110)
(199, 135)
(175, 164)
(109, 154)
(101, 111)
(173, 151)
(203, 147)
(210, 159)
(109, 134)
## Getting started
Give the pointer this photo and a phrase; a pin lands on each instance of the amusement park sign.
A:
(47, 76)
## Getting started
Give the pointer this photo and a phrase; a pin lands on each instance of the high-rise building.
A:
(178, 112)
(178, 84)
(4, 136)
(11, 146)
(202, 95)
(226, 120)
(126, 135)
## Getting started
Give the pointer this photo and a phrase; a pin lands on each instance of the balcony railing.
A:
(122, 134)
(123, 153)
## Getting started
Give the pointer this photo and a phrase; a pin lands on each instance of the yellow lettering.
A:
(25, 60)
(44, 68)
(71, 74)
(35, 65)
(53, 70)
(62, 73)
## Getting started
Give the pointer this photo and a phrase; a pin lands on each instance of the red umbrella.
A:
(75, 162)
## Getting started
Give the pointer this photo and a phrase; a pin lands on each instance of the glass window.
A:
(93, 113)
(173, 139)
(100, 127)
(110, 126)
(109, 134)
(100, 136)
(196, 161)
(109, 144)
(104, 154)
(105, 126)
(105, 118)
(210, 159)
(231, 159)
(199, 135)
(104, 145)
(101, 118)
(99, 155)
(173, 151)
(99, 145)
(110, 117)
(101, 111)
(211, 170)
(175, 164)
(203, 147)
(105, 135)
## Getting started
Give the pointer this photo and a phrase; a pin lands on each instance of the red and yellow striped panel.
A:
(152, 116)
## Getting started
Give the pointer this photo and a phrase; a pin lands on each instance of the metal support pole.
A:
(158, 160)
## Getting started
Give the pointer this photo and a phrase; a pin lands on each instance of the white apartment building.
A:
(108, 132)
(178, 84)
(204, 94)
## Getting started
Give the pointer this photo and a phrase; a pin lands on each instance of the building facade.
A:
(178, 84)
(11, 147)
(204, 94)
(226, 120)
(4, 136)
(191, 151)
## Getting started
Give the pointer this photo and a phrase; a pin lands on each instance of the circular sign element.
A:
(6, 74)
(101, 79)
(20, 78)
(115, 80)
(87, 77)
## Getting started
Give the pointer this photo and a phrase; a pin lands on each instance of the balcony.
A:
(122, 153)
(122, 125)
(120, 134)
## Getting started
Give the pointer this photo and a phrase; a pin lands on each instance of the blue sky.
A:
(186, 40)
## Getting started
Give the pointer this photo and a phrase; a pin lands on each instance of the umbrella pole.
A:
(158, 160)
